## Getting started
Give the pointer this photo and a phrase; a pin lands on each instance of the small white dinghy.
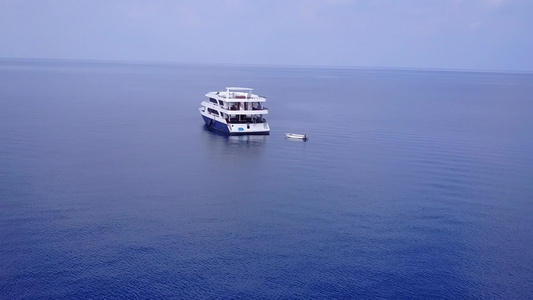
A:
(296, 136)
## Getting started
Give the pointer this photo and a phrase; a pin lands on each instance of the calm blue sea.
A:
(412, 185)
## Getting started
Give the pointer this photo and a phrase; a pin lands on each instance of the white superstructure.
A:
(235, 111)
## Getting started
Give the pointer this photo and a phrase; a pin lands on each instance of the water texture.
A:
(413, 184)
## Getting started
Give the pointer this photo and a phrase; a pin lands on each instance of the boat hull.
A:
(215, 125)
(235, 129)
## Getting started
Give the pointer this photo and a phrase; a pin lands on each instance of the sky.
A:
(435, 34)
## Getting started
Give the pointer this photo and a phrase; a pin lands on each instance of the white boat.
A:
(296, 136)
(235, 111)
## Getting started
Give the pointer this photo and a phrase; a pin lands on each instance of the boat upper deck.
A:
(236, 94)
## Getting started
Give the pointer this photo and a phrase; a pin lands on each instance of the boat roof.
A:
(220, 97)
(236, 94)
(239, 88)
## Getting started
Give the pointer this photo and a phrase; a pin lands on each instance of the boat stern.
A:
(249, 128)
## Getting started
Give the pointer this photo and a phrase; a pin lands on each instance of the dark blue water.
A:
(413, 184)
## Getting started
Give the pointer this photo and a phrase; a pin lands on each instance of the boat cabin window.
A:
(212, 111)
(213, 100)
(221, 102)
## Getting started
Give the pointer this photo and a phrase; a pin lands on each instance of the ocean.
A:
(413, 184)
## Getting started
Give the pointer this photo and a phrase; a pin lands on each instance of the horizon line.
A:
(153, 62)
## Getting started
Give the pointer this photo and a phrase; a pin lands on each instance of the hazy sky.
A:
(452, 34)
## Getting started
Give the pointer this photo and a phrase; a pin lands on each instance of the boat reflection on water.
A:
(234, 145)
(239, 139)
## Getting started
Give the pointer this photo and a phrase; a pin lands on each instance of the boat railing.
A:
(233, 108)
(241, 108)
(233, 96)
(239, 97)
(245, 121)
